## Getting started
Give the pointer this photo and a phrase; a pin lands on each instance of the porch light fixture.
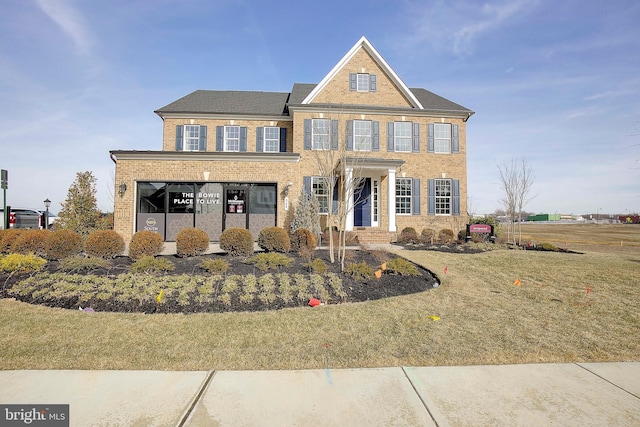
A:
(122, 189)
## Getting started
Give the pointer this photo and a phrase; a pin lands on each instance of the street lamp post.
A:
(47, 203)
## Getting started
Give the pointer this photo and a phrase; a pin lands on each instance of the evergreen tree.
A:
(307, 214)
(80, 211)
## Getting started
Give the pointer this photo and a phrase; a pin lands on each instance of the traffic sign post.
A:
(4, 182)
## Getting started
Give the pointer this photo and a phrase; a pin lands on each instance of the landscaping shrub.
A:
(191, 242)
(31, 241)
(359, 271)
(104, 244)
(215, 265)
(151, 264)
(79, 263)
(20, 262)
(408, 235)
(427, 235)
(303, 239)
(548, 247)
(7, 237)
(269, 260)
(274, 239)
(63, 243)
(237, 241)
(145, 243)
(402, 267)
(317, 266)
(445, 236)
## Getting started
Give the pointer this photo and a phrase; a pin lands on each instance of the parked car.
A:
(22, 218)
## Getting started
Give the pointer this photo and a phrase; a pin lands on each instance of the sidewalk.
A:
(580, 394)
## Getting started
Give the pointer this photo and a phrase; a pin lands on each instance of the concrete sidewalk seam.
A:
(604, 379)
(196, 399)
(419, 396)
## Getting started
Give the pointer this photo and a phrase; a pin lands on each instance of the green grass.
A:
(484, 318)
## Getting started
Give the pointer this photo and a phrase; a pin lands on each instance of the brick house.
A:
(242, 158)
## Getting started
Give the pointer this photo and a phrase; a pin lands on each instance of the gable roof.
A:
(229, 102)
(363, 43)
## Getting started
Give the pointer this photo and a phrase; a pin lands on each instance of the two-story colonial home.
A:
(242, 158)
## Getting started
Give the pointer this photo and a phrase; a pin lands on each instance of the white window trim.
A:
(436, 139)
(314, 133)
(395, 137)
(188, 143)
(360, 78)
(410, 196)
(450, 197)
(356, 136)
(317, 181)
(276, 139)
(227, 139)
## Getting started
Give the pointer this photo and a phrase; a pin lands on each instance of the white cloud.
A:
(70, 21)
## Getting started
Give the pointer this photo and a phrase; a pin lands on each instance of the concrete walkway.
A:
(580, 394)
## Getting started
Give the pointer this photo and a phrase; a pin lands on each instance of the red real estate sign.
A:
(480, 228)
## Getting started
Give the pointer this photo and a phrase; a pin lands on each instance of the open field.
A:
(567, 307)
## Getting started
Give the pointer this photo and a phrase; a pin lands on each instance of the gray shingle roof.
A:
(275, 103)
(231, 102)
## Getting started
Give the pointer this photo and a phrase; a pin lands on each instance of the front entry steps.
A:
(368, 236)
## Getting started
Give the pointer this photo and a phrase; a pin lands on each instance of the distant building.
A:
(544, 217)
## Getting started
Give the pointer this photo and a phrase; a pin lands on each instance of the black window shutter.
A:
(375, 136)
(179, 129)
(455, 196)
(219, 138)
(334, 134)
(455, 139)
(416, 137)
(415, 195)
(430, 141)
(390, 136)
(372, 83)
(283, 140)
(349, 135)
(353, 81)
(431, 197)
(307, 134)
(243, 138)
(259, 139)
(202, 143)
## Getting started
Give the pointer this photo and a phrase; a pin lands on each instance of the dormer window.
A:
(362, 82)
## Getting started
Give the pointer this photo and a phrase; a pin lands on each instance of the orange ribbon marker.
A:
(517, 282)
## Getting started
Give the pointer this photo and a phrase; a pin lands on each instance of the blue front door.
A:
(362, 204)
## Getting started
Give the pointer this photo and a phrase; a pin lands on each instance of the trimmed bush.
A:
(7, 237)
(63, 243)
(408, 235)
(427, 235)
(21, 262)
(237, 241)
(104, 244)
(303, 238)
(359, 271)
(150, 264)
(445, 236)
(31, 242)
(215, 265)
(191, 242)
(269, 260)
(274, 239)
(145, 243)
(317, 266)
(402, 267)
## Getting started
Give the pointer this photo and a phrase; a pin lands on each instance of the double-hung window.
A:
(321, 134)
(402, 136)
(442, 137)
(443, 196)
(403, 195)
(191, 138)
(362, 135)
(320, 189)
(232, 138)
(271, 139)
(363, 83)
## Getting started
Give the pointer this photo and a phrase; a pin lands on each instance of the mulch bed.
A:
(389, 285)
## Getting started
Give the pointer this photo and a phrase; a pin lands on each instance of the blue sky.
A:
(556, 83)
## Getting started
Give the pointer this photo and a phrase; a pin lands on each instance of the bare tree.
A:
(516, 179)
